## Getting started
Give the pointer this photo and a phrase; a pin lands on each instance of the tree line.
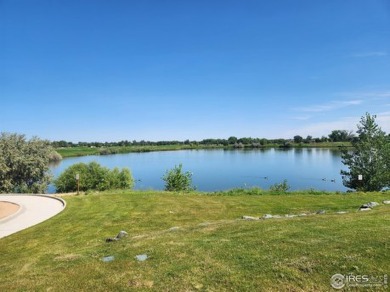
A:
(334, 136)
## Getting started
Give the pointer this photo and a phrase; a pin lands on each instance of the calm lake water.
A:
(215, 170)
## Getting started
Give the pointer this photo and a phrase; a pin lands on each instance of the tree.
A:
(370, 158)
(298, 139)
(24, 164)
(341, 136)
(93, 176)
(308, 139)
(177, 180)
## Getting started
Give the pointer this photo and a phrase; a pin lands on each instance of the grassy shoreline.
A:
(211, 249)
(84, 151)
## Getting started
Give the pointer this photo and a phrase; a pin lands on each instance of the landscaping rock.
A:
(108, 259)
(372, 204)
(175, 228)
(267, 216)
(141, 257)
(111, 239)
(369, 206)
(290, 216)
(121, 234)
(387, 202)
(249, 218)
(365, 209)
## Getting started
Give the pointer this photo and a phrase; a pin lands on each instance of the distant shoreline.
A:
(78, 151)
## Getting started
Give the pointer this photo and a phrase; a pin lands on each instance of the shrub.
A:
(176, 180)
(93, 176)
(282, 187)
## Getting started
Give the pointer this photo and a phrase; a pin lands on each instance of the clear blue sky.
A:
(97, 70)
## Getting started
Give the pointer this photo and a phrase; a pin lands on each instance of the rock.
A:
(290, 216)
(372, 204)
(302, 215)
(365, 209)
(141, 257)
(108, 259)
(369, 205)
(175, 228)
(267, 216)
(319, 212)
(111, 239)
(121, 234)
(341, 212)
(386, 202)
(249, 218)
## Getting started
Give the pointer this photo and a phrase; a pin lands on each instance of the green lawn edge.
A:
(210, 247)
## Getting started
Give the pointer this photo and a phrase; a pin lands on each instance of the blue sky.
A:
(97, 70)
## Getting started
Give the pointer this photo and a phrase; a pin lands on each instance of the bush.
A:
(176, 180)
(282, 187)
(24, 164)
(93, 176)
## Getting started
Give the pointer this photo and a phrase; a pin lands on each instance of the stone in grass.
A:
(141, 257)
(302, 215)
(290, 216)
(267, 216)
(175, 228)
(387, 202)
(121, 234)
(341, 212)
(111, 239)
(249, 218)
(369, 205)
(108, 259)
(320, 212)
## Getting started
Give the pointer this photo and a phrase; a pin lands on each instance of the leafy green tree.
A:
(24, 164)
(340, 136)
(93, 176)
(298, 139)
(370, 158)
(177, 180)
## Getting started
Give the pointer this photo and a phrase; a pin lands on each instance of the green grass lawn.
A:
(212, 250)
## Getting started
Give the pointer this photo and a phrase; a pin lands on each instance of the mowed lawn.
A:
(212, 249)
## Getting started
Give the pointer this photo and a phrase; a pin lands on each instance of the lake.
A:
(220, 169)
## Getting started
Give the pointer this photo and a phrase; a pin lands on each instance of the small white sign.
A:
(360, 177)
(77, 176)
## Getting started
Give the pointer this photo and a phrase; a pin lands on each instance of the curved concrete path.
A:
(33, 209)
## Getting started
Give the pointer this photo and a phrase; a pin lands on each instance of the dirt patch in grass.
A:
(7, 209)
